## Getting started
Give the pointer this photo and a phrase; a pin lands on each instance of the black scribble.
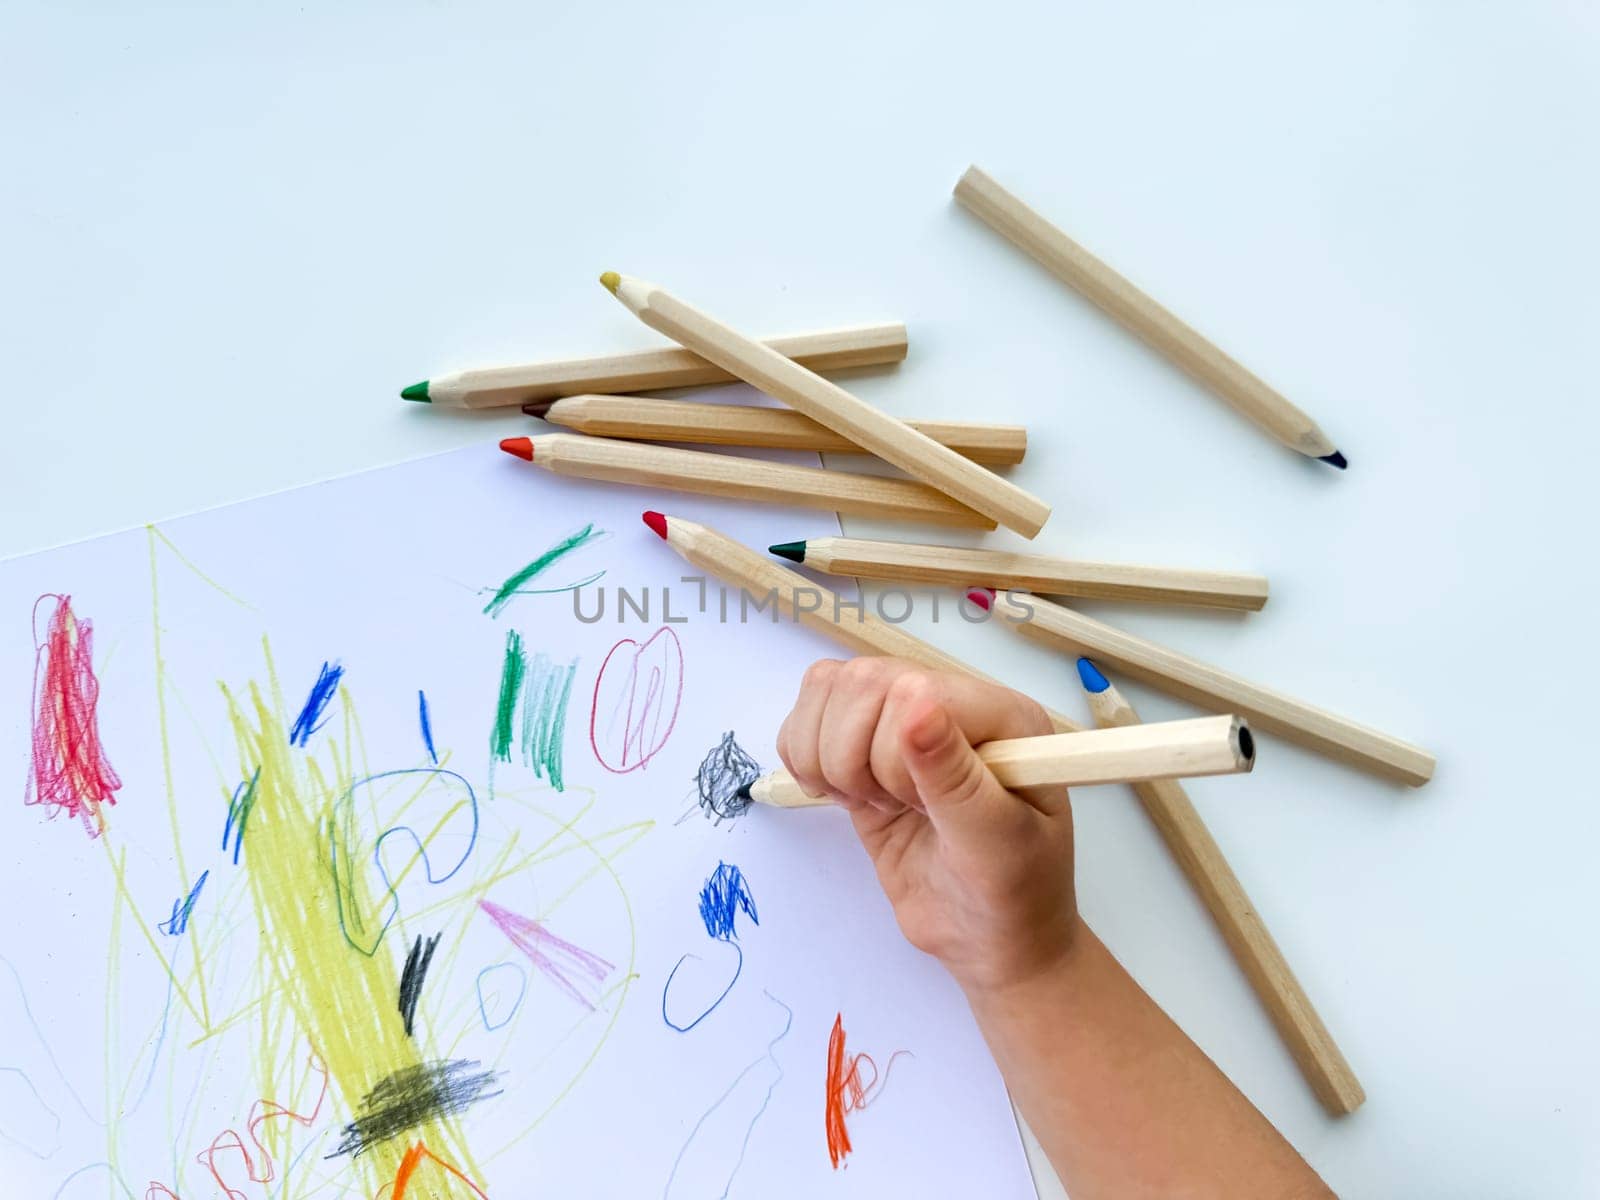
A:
(416, 970)
(412, 1096)
(724, 780)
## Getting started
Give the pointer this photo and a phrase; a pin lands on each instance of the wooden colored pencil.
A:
(709, 474)
(1202, 861)
(1143, 317)
(870, 428)
(796, 598)
(1166, 750)
(651, 370)
(1211, 687)
(954, 565)
(648, 419)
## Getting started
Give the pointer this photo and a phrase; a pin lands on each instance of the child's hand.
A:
(979, 877)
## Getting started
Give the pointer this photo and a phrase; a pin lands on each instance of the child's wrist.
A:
(1003, 988)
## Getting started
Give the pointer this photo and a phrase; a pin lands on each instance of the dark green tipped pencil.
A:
(793, 551)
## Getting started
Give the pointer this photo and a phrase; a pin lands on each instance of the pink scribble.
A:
(558, 960)
(638, 689)
(70, 770)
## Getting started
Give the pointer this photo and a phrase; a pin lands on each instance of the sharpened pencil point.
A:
(538, 408)
(793, 551)
(612, 281)
(657, 522)
(1335, 460)
(521, 447)
(417, 391)
(981, 596)
(1089, 675)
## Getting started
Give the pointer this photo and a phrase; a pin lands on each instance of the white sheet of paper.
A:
(140, 1062)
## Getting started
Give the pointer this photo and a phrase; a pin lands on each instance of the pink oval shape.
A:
(636, 698)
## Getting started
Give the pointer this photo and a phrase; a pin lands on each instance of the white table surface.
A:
(230, 233)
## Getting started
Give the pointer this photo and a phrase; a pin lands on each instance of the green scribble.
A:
(514, 586)
(544, 718)
(511, 675)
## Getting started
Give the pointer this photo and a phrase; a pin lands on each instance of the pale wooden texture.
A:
(1166, 750)
(870, 428)
(798, 598)
(657, 370)
(1141, 315)
(1002, 569)
(655, 420)
(728, 475)
(1202, 861)
(1211, 687)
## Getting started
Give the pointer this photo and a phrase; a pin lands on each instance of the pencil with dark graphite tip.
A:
(846, 348)
(1202, 861)
(653, 419)
(1142, 316)
(1166, 750)
(911, 562)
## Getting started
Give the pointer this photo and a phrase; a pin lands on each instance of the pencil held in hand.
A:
(1143, 317)
(1170, 749)
(870, 428)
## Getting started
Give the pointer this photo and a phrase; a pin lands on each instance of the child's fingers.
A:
(850, 718)
(963, 799)
(798, 736)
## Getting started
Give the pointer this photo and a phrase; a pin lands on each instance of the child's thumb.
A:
(960, 794)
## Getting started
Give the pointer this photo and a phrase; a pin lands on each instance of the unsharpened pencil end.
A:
(1335, 459)
(521, 447)
(538, 408)
(1089, 675)
(793, 551)
(657, 522)
(981, 596)
(417, 391)
(611, 280)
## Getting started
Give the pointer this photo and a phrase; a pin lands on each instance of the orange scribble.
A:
(408, 1166)
(847, 1091)
(262, 1111)
(70, 772)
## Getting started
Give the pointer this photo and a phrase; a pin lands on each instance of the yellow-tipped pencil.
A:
(870, 428)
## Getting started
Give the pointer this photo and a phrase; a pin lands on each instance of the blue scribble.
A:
(723, 895)
(710, 1008)
(313, 712)
(244, 799)
(771, 1056)
(427, 725)
(178, 922)
(343, 839)
(489, 1022)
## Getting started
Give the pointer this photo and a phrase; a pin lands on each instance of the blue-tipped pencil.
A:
(1197, 853)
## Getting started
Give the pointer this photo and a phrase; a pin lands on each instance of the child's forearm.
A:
(1123, 1102)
